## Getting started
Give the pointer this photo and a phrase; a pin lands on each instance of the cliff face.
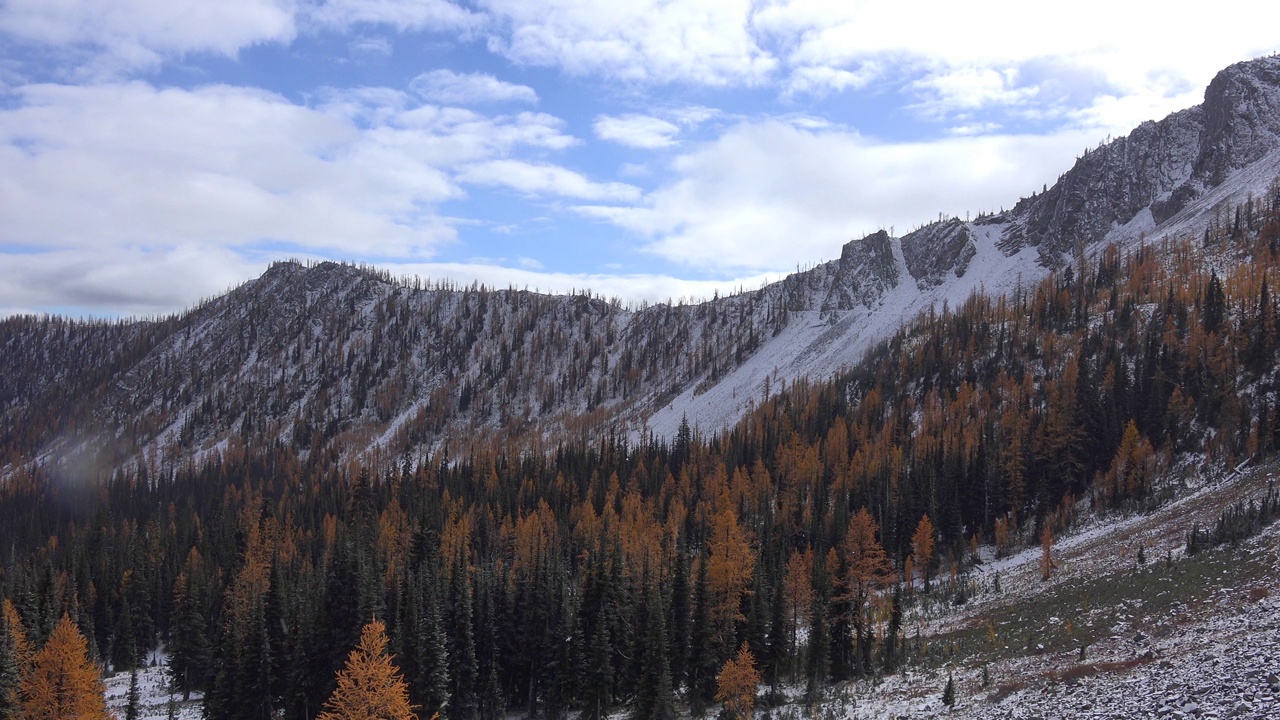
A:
(866, 270)
(1161, 166)
(936, 250)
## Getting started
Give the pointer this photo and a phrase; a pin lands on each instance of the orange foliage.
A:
(737, 682)
(370, 686)
(63, 684)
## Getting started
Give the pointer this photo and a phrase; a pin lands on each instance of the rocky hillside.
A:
(345, 359)
(1157, 173)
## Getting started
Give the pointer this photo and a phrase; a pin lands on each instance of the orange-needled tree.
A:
(63, 683)
(370, 686)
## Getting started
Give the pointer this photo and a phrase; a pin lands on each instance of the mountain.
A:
(338, 358)
(1165, 175)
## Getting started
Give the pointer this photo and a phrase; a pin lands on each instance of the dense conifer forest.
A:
(607, 574)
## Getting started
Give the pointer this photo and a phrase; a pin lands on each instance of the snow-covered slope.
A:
(334, 357)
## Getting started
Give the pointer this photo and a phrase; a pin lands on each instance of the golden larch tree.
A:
(1046, 553)
(63, 683)
(737, 682)
(868, 571)
(370, 686)
(922, 548)
(730, 565)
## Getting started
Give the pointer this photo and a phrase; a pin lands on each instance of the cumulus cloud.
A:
(126, 34)
(638, 131)
(646, 41)
(451, 88)
(629, 287)
(767, 195)
(944, 50)
(540, 179)
(125, 281)
(400, 14)
(110, 182)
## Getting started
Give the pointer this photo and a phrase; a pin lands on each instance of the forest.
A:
(604, 574)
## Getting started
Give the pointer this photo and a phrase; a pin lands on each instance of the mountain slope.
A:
(333, 357)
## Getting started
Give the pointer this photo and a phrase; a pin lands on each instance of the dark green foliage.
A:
(1240, 521)
(653, 698)
(132, 700)
(703, 663)
(949, 692)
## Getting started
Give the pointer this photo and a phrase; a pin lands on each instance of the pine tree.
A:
(949, 692)
(64, 684)
(133, 699)
(654, 698)
(702, 655)
(189, 648)
(370, 687)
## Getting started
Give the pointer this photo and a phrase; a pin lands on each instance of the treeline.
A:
(605, 574)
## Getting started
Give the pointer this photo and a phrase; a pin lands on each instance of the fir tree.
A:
(132, 700)
(653, 699)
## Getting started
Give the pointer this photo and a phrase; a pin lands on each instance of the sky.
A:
(157, 152)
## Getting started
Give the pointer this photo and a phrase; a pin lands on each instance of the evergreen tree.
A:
(702, 657)
(464, 670)
(653, 698)
(431, 676)
(189, 651)
(132, 700)
(14, 659)
(678, 623)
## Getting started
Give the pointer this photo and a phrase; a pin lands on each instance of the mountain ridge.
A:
(337, 357)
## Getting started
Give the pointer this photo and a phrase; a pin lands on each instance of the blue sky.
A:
(154, 152)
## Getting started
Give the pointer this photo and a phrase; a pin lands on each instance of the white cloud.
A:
(706, 42)
(120, 281)
(638, 131)
(949, 51)
(450, 88)
(971, 88)
(139, 33)
(98, 179)
(629, 287)
(768, 195)
(539, 179)
(371, 47)
(400, 14)
(820, 80)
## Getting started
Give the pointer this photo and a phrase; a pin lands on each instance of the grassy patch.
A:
(1079, 612)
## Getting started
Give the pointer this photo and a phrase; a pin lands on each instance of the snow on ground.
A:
(155, 702)
(1161, 649)
(816, 348)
